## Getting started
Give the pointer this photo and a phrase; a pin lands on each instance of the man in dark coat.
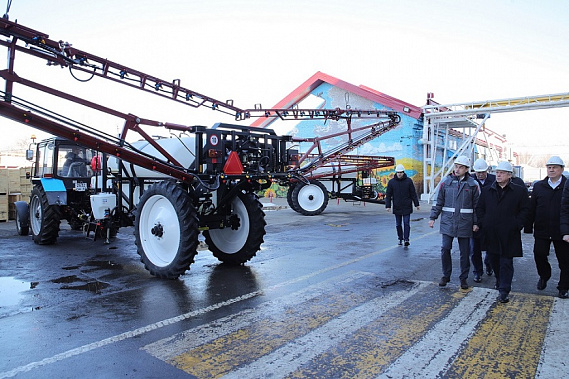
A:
(564, 213)
(544, 220)
(456, 201)
(402, 191)
(484, 179)
(502, 212)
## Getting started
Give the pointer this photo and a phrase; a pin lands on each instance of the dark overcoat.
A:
(545, 205)
(501, 216)
(401, 191)
(564, 216)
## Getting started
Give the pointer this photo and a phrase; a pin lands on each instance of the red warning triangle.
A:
(233, 165)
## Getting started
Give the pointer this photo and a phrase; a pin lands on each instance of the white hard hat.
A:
(505, 166)
(555, 160)
(480, 165)
(463, 160)
(399, 168)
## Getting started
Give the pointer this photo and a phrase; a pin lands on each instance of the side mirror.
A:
(29, 155)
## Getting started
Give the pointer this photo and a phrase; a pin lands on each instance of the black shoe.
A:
(400, 242)
(444, 281)
(463, 284)
(563, 294)
(477, 278)
(503, 298)
(541, 284)
(489, 271)
(496, 285)
(406, 243)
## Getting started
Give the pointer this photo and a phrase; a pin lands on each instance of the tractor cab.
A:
(62, 159)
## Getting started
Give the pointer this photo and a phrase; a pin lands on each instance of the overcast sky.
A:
(256, 51)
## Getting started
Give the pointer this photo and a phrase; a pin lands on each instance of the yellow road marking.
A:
(227, 352)
(368, 352)
(508, 342)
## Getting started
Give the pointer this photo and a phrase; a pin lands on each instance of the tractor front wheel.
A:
(238, 243)
(44, 218)
(166, 230)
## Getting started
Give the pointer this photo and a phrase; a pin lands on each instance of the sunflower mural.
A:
(385, 174)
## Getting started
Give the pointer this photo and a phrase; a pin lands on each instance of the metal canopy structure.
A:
(466, 120)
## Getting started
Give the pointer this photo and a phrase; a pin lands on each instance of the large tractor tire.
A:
(166, 230)
(310, 199)
(237, 246)
(22, 218)
(44, 218)
(289, 198)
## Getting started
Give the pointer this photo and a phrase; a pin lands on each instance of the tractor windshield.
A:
(74, 161)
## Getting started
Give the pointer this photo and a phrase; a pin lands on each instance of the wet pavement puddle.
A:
(11, 290)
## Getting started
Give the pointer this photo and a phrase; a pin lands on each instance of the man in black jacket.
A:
(402, 190)
(484, 179)
(544, 220)
(502, 213)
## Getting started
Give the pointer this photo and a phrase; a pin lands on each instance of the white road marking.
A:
(173, 320)
(300, 351)
(179, 343)
(553, 362)
(430, 355)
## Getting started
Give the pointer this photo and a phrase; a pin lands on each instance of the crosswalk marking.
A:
(170, 347)
(300, 351)
(349, 327)
(431, 354)
(508, 341)
(553, 361)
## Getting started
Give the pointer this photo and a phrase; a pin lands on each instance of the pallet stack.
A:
(14, 186)
(4, 195)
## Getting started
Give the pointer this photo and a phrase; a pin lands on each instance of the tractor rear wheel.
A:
(23, 230)
(310, 199)
(237, 245)
(44, 218)
(166, 230)
(289, 198)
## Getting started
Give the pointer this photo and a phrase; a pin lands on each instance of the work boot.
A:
(463, 284)
(444, 281)
(541, 284)
(503, 298)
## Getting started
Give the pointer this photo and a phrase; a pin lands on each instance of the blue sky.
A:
(258, 51)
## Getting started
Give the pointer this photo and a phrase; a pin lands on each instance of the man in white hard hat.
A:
(484, 179)
(544, 220)
(402, 191)
(502, 213)
(456, 200)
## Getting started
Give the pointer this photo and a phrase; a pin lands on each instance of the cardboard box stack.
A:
(14, 186)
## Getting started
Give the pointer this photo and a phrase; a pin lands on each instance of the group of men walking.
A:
(486, 212)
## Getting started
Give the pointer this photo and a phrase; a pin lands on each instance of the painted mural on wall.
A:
(402, 143)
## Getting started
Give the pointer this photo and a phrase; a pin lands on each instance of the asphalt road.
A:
(327, 296)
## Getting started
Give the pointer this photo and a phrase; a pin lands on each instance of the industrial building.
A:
(424, 152)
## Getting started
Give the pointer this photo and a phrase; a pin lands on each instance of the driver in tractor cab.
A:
(75, 165)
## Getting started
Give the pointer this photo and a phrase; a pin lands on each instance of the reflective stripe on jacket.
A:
(456, 202)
